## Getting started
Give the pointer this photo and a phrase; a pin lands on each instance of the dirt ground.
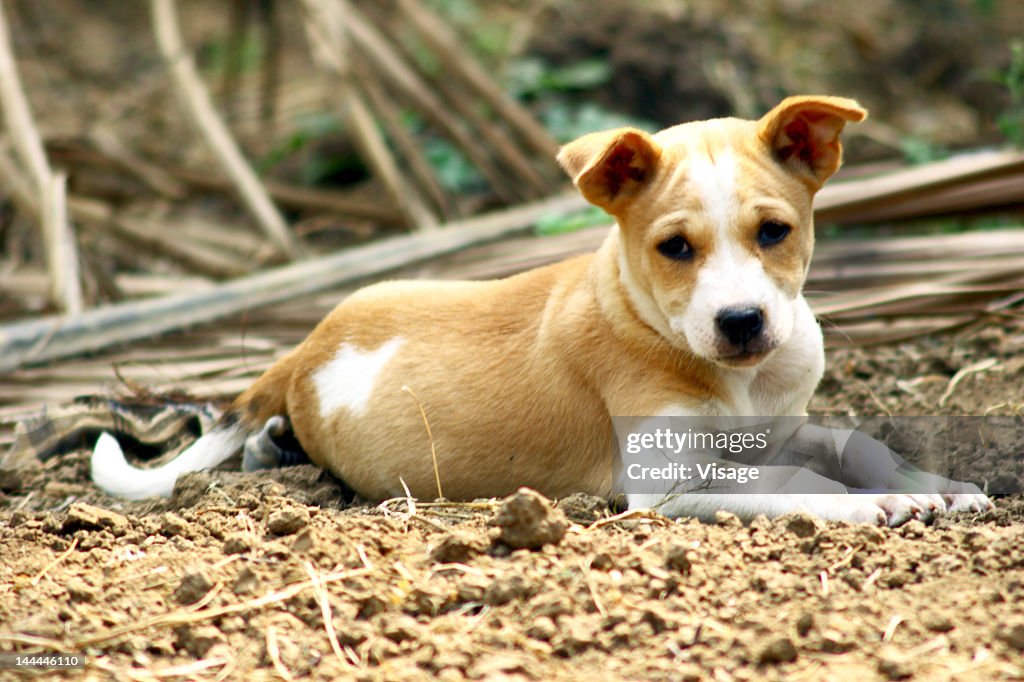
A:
(276, 576)
(228, 578)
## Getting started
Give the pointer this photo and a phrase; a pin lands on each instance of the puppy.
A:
(691, 307)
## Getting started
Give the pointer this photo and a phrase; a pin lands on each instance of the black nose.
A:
(740, 325)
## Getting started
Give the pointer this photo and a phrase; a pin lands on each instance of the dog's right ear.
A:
(610, 167)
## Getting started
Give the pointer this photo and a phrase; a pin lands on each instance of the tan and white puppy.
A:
(691, 307)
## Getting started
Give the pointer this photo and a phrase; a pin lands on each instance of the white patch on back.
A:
(348, 380)
(716, 184)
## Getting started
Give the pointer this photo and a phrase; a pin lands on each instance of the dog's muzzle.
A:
(743, 335)
(740, 326)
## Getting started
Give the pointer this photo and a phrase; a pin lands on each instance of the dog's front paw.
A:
(887, 510)
(898, 509)
(972, 502)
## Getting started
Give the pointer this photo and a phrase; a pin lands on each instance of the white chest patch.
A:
(348, 380)
(715, 181)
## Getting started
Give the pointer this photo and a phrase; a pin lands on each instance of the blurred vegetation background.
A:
(937, 76)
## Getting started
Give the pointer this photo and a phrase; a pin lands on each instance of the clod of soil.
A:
(193, 587)
(528, 520)
(288, 521)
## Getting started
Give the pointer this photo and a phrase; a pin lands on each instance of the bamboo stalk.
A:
(57, 234)
(447, 47)
(218, 138)
(420, 169)
(327, 33)
(376, 48)
(66, 277)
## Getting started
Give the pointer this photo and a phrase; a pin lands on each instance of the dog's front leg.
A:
(865, 464)
(833, 473)
(878, 509)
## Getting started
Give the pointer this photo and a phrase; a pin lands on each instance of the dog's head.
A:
(715, 220)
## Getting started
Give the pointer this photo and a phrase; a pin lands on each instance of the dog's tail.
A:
(264, 399)
(114, 475)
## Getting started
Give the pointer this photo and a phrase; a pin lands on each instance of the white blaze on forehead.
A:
(349, 378)
(715, 181)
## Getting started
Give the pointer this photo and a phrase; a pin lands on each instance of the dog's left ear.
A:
(803, 132)
(609, 167)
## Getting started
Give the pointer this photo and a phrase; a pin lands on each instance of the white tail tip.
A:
(112, 473)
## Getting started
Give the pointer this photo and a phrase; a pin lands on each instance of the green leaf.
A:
(570, 222)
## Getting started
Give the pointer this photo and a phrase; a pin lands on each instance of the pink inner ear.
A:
(811, 138)
(800, 144)
(618, 169)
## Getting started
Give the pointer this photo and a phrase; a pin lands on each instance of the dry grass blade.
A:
(222, 144)
(274, 653)
(324, 600)
(63, 555)
(187, 670)
(430, 437)
(974, 368)
(184, 616)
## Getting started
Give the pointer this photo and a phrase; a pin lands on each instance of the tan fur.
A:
(519, 378)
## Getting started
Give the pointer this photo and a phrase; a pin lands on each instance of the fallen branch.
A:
(38, 341)
(969, 181)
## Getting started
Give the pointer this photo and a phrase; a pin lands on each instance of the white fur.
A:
(715, 181)
(732, 278)
(114, 475)
(347, 381)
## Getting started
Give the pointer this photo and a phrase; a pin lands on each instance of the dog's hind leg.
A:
(270, 449)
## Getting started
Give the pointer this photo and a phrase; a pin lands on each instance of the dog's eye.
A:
(676, 248)
(772, 232)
